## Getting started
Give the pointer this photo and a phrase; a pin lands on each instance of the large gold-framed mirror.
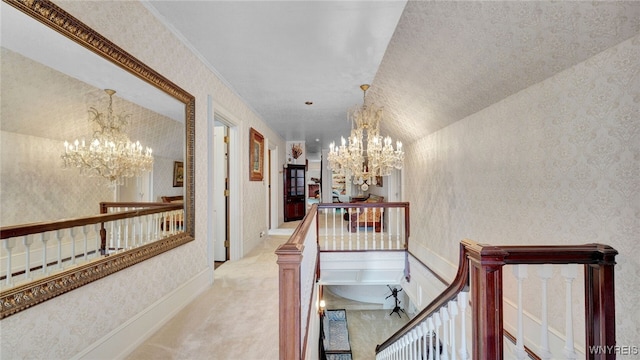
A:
(137, 85)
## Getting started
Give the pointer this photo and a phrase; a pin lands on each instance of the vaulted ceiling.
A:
(430, 63)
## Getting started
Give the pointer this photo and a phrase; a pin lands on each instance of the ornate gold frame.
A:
(27, 295)
(256, 155)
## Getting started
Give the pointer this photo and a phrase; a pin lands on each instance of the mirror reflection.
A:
(49, 83)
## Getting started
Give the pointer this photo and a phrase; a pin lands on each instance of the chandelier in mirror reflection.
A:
(110, 154)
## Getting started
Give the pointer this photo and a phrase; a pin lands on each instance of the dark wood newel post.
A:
(103, 231)
(289, 259)
(600, 312)
(486, 295)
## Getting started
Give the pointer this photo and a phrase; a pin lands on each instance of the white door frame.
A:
(274, 188)
(235, 193)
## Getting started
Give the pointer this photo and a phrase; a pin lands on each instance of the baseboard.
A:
(126, 338)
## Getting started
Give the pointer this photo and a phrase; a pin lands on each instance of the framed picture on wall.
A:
(256, 155)
(178, 174)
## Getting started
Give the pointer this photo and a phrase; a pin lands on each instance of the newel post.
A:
(486, 296)
(600, 312)
(103, 231)
(289, 259)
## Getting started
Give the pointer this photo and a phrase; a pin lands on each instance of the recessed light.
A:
(308, 102)
(317, 140)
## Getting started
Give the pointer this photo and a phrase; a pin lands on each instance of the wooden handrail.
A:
(480, 267)
(11, 231)
(460, 283)
(289, 260)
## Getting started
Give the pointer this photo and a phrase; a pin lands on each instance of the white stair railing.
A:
(362, 226)
(434, 337)
(27, 257)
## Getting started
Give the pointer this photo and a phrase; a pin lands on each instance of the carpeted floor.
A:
(229, 320)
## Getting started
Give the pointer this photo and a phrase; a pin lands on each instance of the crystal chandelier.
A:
(365, 155)
(110, 154)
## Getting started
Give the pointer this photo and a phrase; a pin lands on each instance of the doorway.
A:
(221, 192)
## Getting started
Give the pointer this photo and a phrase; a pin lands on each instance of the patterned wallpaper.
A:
(557, 163)
(85, 315)
(41, 108)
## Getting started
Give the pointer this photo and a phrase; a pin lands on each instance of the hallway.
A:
(237, 317)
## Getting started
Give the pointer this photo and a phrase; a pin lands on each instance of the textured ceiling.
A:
(448, 60)
(445, 61)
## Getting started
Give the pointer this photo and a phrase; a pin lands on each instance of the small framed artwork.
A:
(379, 181)
(178, 174)
(256, 155)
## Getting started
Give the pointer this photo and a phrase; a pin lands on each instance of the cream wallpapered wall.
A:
(163, 179)
(36, 188)
(41, 108)
(85, 315)
(557, 163)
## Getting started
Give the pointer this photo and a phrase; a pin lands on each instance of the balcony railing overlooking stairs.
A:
(467, 319)
(338, 227)
(479, 280)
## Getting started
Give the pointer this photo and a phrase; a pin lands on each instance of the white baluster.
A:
(431, 327)
(398, 229)
(544, 272)
(425, 333)
(27, 241)
(96, 232)
(111, 237)
(453, 313)
(44, 239)
(134, 232)
(373, 238)
(366, 226)
(438, 324)
(326, 226)
(462, 305)
(416, 343)
(444, 315)
(141, 226)
(520, 272)
(85, 233)
(118, 235)
(420, 341)
(342, 212)
(9, 244)
(150, 227)
(59, 238)
(389, 245)
(569, 272)
(73, 232)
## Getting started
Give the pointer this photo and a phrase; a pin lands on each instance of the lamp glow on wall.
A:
(110, 154)
(365, 155)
